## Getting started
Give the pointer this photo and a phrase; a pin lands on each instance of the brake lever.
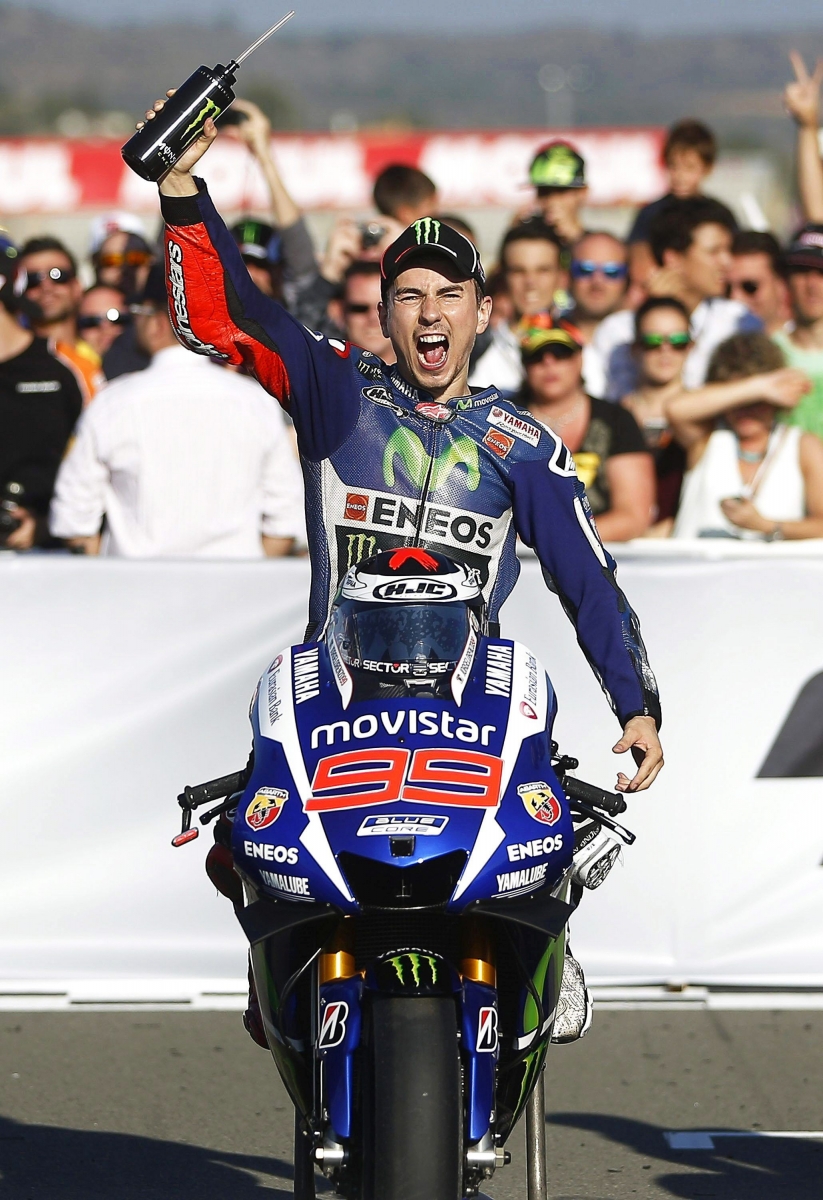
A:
(625, 834)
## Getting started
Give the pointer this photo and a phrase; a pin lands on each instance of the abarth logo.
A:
(407, 446)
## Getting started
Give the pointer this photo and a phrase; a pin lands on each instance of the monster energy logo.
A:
(427, 231)
(208, 108)
(414, 962)
(405, 444)
(358, 547)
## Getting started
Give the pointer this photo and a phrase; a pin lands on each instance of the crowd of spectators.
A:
(682, 365)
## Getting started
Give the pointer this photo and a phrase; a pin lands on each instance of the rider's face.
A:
(432, 318)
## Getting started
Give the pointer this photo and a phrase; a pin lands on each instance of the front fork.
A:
(341, 993)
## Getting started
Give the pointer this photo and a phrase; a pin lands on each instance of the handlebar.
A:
(587, 793)
(215, 789)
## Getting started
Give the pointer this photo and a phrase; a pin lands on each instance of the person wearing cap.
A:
(802, 344)
(605, 440)
(183, 459)
(407, 454)
(40, 401)
(122, 261)
(558, 175)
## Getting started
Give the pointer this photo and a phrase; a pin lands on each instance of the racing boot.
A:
(596, 850)
(574, 1004)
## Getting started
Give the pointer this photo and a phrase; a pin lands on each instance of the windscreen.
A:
(415, 634)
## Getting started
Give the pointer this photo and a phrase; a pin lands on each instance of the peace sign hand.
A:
(802, 97)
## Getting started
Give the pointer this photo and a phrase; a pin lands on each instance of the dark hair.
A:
(39, 244)
(460, 225)
(534, 229)
(399, 184)
(673, 228)
(691, 135)
(752, 241)
(652, 304)
(361, 267)
(744, 355)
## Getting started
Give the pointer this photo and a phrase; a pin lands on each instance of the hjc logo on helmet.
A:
(407, 589)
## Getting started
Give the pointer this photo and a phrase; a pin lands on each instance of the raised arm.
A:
(693, 413)
(217, 310)
(552, 515)
(802, 100)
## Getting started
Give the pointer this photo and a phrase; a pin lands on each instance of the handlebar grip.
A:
(215, 789)
(576, 789)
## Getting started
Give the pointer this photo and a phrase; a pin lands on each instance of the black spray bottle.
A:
(154, 149)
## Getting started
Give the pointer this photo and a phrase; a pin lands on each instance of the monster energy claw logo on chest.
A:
(427, 231)
(358, 547)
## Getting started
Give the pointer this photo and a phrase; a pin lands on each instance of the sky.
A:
(355, 16)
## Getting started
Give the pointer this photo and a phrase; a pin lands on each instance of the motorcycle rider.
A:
(407, 455)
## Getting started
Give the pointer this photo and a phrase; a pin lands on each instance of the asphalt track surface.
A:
(182, 1106)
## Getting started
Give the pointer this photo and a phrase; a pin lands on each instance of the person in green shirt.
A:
(802, 342)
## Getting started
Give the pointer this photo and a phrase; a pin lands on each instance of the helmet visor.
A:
(413, 639)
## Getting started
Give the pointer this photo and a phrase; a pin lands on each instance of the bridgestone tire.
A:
(412, 1143)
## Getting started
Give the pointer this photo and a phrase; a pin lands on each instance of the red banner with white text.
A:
(331, 171)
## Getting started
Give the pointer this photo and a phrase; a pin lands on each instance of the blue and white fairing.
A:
(335, 776)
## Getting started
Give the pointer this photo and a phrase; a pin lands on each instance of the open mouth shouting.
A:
(432, 351)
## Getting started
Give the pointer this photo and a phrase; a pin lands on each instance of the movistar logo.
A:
(407, 446)
(416, 964)
(208, 108)
(427, 231)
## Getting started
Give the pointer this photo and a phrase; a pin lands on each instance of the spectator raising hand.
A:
(802, 100)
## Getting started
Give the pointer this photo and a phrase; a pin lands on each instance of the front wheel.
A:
(412, 1126)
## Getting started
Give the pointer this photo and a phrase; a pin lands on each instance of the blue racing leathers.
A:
(385, 465)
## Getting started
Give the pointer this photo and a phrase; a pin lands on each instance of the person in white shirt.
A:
(184, 459)
(751, 476)
(530, 262)
(691, 242)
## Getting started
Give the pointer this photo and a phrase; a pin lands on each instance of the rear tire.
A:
(412, 1110)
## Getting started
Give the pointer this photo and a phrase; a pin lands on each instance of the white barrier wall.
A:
(122, 681)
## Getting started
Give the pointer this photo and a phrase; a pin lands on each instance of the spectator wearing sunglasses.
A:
(802, 344)
(598, 274)
(691, 241)
(754, 278)
(102, 317)
(122, 260)
(607, 445)
(530, 262)
(751, 476)
(53, 286)
(361, 322)
(40, 401)
(662, 340)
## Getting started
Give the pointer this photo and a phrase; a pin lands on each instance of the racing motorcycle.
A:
(410, 848)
